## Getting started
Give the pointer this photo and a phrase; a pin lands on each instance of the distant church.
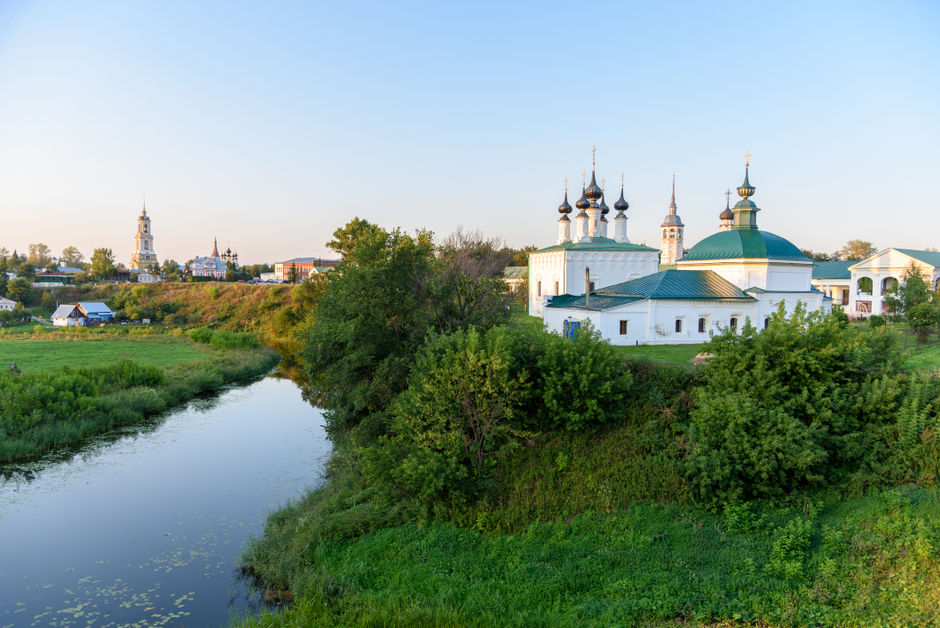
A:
(736, 275)
(144, 256)
(215, 265)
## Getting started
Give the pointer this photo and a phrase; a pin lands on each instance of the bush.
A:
(200, 334)
(792, 406)
(876, 320)
(233, 340)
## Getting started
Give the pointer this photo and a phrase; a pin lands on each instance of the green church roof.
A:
(833, 270)
(596, 244)
(928, 257)
(744, 244)
(687, 285)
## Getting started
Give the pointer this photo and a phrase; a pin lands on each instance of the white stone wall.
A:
(773, 275)
(567, 269)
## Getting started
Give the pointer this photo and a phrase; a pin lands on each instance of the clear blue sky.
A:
(269, 124)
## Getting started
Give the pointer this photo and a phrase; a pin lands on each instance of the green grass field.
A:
(41, 355)
(669, 354)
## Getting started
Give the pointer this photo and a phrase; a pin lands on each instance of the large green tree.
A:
(19, 289)
(39, 255)
(911, 291)
(346, 238)
(102, 264)
(72, 257)
(855, 249)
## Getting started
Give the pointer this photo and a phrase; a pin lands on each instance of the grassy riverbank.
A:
(68, 391)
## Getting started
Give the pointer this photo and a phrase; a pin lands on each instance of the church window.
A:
(623, 328)
(766, 322)
(701, 325)
(538, 287)
(556, 287)
(733, 324)
(678, 325)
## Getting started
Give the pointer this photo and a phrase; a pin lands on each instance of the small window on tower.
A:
(678, 325)
(538, 288)
(701, 325)
(623, 328)
(556, 287)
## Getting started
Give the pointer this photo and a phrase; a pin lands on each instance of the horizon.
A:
(270, 128)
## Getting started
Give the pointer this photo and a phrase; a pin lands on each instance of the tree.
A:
(819, 256)
(922, 317)
(4, 252)
(347, 237)
(19, 289)
(3, 283)
(102, 264)
(470, 289)
(71, 257)
(911, 291)
(292, 274)
(855, 250)
(39, 255)
(170, 270)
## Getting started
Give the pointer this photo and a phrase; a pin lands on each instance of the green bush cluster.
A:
(799, 404)
(473, 395)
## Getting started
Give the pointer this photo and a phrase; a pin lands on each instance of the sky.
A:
(270, 124)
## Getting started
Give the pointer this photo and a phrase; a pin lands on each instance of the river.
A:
(145, 529)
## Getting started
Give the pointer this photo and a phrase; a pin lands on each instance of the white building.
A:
(730, 277)
(7, 304)
(872, 277)
(590, 258)
(68, 316)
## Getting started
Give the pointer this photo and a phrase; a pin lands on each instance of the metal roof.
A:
(744, 244)
(833, 270)
(94, 307)
(596, 244)
(516, 272)
(928, 257)
(309, 260)
(686, 285)
(63, 311)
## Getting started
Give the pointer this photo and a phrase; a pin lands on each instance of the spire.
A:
(215, 248)
(143, 211)
(564, 209)
(672, 218)
(593, 192)
(746, 190)
(745, 211)
(672, 200)
(621, 205)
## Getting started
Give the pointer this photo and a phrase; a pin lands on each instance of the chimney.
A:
(587, 286)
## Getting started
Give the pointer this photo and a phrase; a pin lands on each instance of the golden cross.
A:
(566, 185)
(583, 177)
(621, 179)
(603, 184)
(747, 159)
(593, 156)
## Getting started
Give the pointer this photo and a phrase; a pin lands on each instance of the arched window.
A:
(864, 285)
(889, 285)
(678, 325)
(701, 325)
(538, 288)
(733, 324)
(766, 322)
(556, 287)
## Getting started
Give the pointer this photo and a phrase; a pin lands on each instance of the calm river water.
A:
(146, 529)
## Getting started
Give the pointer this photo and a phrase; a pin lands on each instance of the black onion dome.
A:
(583, 203)
(593, 191)
(621, 205)
(565, 208)
(604, 209)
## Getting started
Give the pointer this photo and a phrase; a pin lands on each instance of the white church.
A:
(637, 294)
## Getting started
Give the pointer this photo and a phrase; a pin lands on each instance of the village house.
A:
(7, 304)
(305, 266)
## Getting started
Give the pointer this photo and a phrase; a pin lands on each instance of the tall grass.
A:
(45, 411)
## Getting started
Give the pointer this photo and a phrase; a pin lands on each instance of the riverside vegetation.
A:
(62, 392)
(488, 473)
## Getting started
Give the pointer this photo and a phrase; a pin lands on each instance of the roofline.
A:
(738, 260)
(893, 248)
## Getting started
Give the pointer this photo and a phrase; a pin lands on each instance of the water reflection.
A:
(144, 528)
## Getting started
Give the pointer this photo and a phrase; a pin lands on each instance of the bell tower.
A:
(672, 247)
(144, 257)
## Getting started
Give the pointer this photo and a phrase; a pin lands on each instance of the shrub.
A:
(791, 406)
(233, 340)
(200, 334)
